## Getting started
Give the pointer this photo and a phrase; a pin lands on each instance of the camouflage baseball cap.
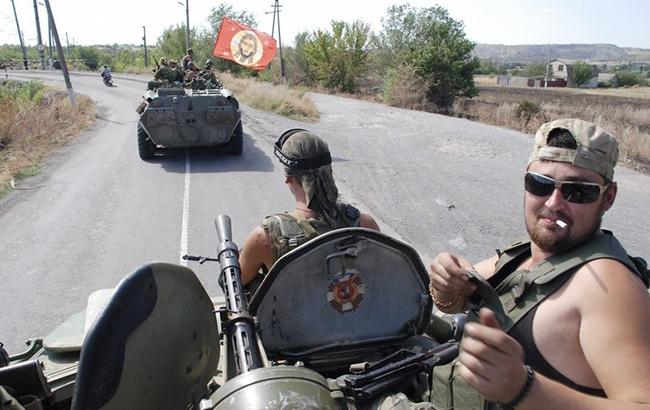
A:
(597, 149)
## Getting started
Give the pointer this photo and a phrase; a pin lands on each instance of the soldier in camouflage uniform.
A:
(163, 77)
(178, 72)
(209, 76)
(308, 174)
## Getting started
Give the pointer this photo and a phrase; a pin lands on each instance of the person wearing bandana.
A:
(308, 174)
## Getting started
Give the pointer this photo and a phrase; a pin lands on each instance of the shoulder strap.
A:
(642, 267)
(350, 216)
(287, 232)
(512, 251)
(521, 291)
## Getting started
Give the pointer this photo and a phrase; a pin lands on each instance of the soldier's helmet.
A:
(163, 61)
(208, 63)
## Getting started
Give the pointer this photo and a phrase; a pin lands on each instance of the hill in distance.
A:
(535, 53)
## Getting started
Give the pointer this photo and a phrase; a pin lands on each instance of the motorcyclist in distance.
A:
(107, 76)
(106, 72)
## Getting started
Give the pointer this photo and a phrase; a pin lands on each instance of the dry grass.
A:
(265, 96)
(627, 118)
(30, 131)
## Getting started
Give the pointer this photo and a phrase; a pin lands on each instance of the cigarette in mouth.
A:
(561, 223)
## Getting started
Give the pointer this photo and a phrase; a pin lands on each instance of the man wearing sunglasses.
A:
(308, 174)
(571, 330)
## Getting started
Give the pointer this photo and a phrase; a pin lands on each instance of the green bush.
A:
(526, 110)
(582, 73)
(402, 87)
(31, 91)
(626, 78)
(429, 40)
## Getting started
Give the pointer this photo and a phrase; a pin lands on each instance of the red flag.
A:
(243, 45)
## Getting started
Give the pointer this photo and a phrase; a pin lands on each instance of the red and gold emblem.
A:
(346, 292)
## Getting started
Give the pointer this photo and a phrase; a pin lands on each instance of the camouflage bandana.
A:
(318, 183)
(597, 149)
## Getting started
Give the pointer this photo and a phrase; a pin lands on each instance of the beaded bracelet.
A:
(530, 375)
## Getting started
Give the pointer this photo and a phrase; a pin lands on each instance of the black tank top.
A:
(523, 333)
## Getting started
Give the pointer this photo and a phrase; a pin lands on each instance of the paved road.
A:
(99, 212)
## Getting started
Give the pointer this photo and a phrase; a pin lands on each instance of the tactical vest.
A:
(287, 231)
(515, 293)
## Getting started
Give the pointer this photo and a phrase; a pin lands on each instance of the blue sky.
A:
(624, 22)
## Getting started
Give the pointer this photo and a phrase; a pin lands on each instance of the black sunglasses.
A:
(576, 192)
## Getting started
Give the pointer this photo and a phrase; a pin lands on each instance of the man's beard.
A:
(553, 243)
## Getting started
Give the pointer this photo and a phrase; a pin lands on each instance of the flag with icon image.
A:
(244, 45)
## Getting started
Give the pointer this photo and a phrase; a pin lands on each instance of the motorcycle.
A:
(107, 78)
(327, 328)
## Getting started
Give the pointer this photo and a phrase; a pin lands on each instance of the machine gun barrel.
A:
(240, 328)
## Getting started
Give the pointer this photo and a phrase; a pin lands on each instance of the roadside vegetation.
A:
(34, 122)
(281, 99)
(525, 109)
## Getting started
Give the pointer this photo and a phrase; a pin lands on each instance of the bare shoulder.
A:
(609, 278)
(367, 221)
(614, 305)
(258, 238)
(255, 252)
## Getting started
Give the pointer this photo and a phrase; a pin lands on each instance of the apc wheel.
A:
(146, 148)
(236, 144)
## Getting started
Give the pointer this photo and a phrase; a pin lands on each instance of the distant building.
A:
(562, 70)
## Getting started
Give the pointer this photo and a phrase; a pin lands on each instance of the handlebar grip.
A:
(224, 228)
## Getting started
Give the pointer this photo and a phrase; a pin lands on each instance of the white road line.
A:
(186, 208)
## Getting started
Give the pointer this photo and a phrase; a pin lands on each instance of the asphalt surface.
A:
(97, 212)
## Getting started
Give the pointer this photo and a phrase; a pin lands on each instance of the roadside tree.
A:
(434, 44)
(171, 43)
(338, 58)
(534, 70)
(581, 73)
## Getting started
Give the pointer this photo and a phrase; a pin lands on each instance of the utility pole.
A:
(276, 8)
(64, 67)
(144, 41)
(548, 64)
(187, 19)
(67, 42)
(49, 39)
(187, 25)
(40, 46)
(20, 36)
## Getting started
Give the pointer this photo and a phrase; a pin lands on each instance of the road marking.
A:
(186, 208)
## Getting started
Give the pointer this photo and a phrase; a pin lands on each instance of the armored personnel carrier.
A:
(178, 117)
